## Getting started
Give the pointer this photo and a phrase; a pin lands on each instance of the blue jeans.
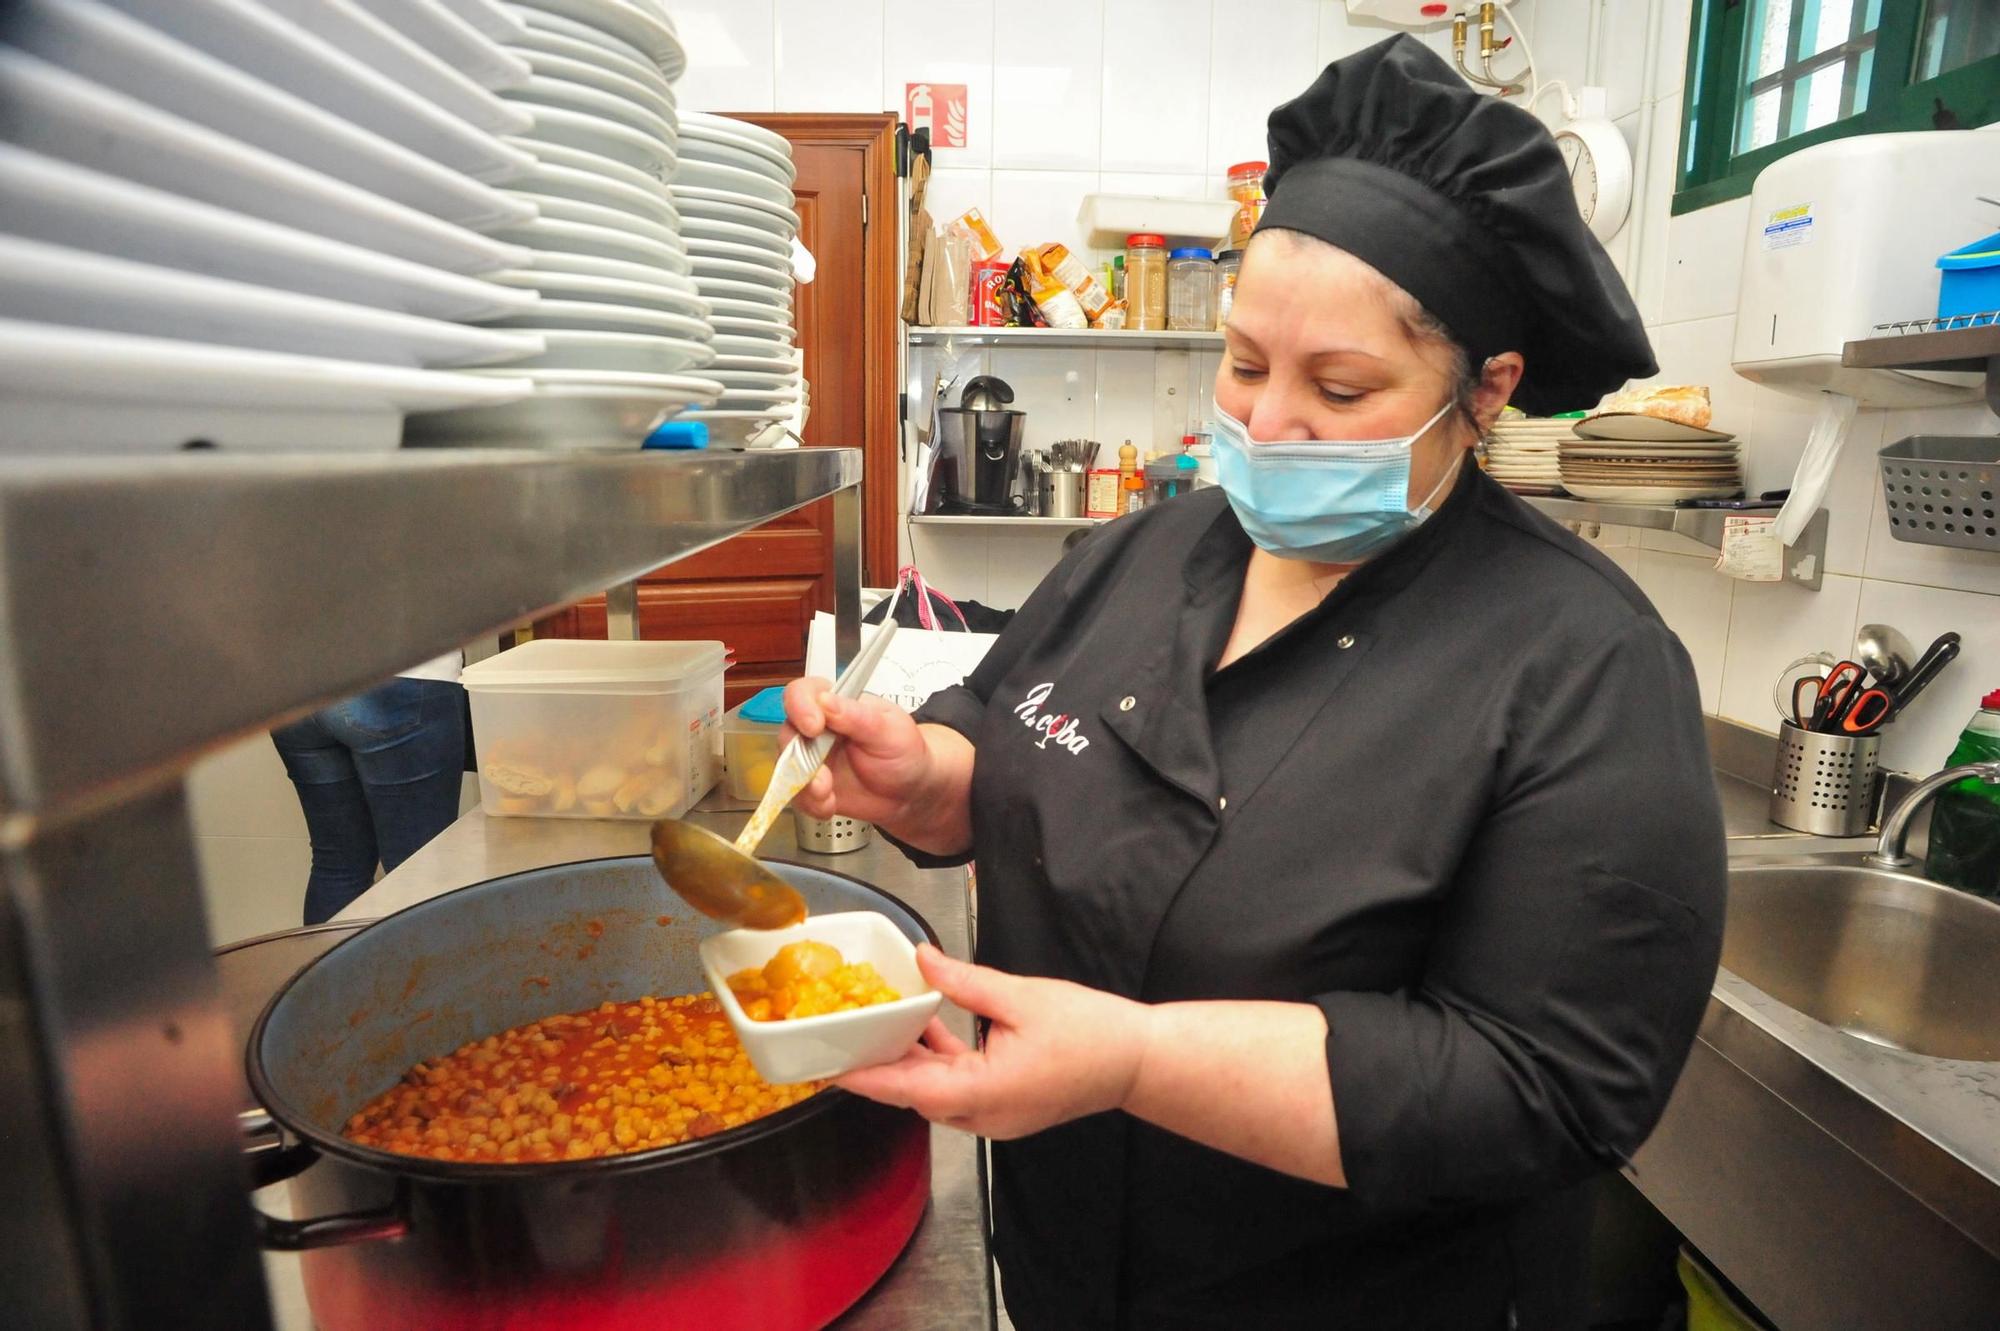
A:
(378, 776)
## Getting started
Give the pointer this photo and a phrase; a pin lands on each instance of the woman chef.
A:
(1350, 870)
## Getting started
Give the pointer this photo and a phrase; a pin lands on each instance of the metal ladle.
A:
(1884, 653)
(724, 880)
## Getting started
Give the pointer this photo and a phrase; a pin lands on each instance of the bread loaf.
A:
(1685, 403)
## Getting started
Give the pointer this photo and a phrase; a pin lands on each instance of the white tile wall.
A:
(1688, 273)
(1156, 85)
(1048, 95)
(732, 54)
(828, 56)
(1260, 52)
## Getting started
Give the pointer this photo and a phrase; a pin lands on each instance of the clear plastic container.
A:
(1191, 291)
(750, 744)
(1227, 265)
(578, 729)
(1146, 281)
(1246, 187)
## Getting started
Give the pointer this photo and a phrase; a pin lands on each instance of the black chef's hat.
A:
(1463, 201)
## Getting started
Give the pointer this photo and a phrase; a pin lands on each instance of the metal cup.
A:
(1062, 494)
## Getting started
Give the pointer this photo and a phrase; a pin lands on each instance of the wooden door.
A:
(757, 593)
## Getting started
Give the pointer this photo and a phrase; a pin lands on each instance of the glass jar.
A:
(1246, 187)
(1146, 281)
(1191, 291)
(1227, 264)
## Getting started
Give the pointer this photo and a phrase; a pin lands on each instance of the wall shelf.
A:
(1025, 521)
(1129, 339)
(1974, 350)
(1805, 560)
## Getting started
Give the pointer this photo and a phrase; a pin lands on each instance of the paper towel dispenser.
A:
(1844, 236)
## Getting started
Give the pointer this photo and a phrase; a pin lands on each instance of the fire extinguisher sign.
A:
(938, 107)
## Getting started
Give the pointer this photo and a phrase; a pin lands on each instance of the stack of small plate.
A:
(1522, 453)
(623, 322)
(1626, 459)
(247, 226)
(733, 187)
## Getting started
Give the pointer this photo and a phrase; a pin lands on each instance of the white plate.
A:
(696, 147)
(608, 317)
(707, 270)
(592, 265)
(1648, 494)
(659, 289)
(72, 391)
(768, 330)
(1653, 453)
(600, 349)
(247, 35)
(729, 127)
(566, 182)
(746, 309)
(777, 298)
(731, 233)
(615, 219)
(733, 181)
(740, 209)
(656, 95)
(543, 90)
(736, 344)
(1649, 429)
(758, 256)
(779, 363)
(350, 28)
(51, 111)
(637, 27)
(607, 138)
(582, 159)
(571, 418)
(557, 236)
(448, 36)
(538, 20)
(57, 285)
(626, 62)
(53, 201)
(780, 377)
(486, 16)
(115, 50)
(97, 42)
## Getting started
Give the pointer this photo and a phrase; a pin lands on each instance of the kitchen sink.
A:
(1884, 957)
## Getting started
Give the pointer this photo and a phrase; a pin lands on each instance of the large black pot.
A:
(780, 1223)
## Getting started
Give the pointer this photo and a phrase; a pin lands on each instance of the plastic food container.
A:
(1246, 187)
(1146, 281)
(1227, 265)
(1969, 283)
(1191, 290)
(750, 744)
(807, 1048)
(578, 729)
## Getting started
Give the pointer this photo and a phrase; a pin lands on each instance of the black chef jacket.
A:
(1464, 806)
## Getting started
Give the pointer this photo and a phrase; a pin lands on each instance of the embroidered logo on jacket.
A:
(1054, 727)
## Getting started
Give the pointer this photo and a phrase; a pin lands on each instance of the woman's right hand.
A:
(881, 772)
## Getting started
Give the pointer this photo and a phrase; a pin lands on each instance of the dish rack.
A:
(1944, 490)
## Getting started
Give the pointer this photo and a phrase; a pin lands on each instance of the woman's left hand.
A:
(1055, 1051)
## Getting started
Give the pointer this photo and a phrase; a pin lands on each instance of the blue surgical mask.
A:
(1333, 502)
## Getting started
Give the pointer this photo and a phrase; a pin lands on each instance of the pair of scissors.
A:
(1843, 703)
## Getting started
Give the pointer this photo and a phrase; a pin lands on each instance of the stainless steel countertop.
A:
(943, 1281)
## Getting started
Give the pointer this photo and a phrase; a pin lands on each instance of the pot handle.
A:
(273, 1160)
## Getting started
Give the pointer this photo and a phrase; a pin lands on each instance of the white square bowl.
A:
(811, 1048)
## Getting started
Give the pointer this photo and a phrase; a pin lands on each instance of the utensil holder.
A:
(1824, 784)
(1062, 494)
(829, 836)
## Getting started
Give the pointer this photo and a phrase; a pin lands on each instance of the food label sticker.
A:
(1751, 550)
(1787, 227)
(938, 107)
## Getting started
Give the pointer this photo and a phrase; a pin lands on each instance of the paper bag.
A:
(916, 664)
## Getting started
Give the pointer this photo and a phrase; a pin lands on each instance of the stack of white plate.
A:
(1522, 453)
(623, 325)
(1627, 459)
(250, 225)
(733, 187)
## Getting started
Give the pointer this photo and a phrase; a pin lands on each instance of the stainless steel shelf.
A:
(153, 609)
(1973, 350)
(1015, 523)
(1065, 337)
(1804, 561)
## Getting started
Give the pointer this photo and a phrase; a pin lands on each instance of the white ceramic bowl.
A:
(809, 1048)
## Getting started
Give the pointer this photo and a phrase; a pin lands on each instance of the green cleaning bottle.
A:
(1965, 825)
